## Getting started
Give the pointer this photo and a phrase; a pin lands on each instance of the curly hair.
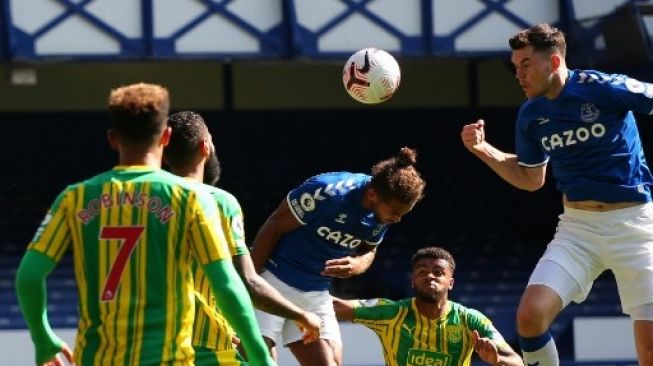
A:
(543, 37)
(433, 253)
(139, 112)
(396, 178)
(188, 130)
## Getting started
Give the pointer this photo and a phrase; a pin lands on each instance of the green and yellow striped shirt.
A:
(411, 339)
(134, 232)
(211, 329)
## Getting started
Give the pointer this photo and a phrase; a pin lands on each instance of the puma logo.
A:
(409, 329)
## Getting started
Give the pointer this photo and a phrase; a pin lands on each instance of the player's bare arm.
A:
(492, 354)
(281, 221)
(344, 308)
(351, 265)
(504, 164)
(267, 298)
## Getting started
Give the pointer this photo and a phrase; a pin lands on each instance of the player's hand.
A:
(58, 361)
(310, 325)
(339, 267)
(473, 135)
(235, 340)
(486, 349)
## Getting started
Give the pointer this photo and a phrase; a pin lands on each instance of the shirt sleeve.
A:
(233, 226)
(374, 309)
(479, 322)
(206, 235)
(52, 238)
(310, 199)
(619, 91)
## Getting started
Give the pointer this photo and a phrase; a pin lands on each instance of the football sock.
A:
(539, 351)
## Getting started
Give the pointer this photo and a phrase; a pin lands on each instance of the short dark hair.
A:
(396, 178)
(138, 112)
(433, 253)
(188, 130)
(543, 37)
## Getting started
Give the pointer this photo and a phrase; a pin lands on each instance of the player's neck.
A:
(195, 173)
(150, 158)
(431, 310)
(558, 83)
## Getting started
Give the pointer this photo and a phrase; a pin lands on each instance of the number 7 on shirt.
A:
(129, 236)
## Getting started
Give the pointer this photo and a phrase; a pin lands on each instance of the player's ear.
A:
(556, 60)
(165, 137)
(451, 281)
(112, 138)
(205, 148)
(370, 195)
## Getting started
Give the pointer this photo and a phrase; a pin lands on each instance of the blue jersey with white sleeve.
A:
(590, 136)
(334, 222)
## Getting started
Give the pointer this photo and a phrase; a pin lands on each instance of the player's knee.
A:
(531, 320)
(269, 342)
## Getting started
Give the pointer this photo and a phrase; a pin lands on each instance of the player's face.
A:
(533, 71)
(432, 279)
(389, 212)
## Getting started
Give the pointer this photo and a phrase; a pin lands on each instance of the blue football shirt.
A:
(334, 222)
(590, 136)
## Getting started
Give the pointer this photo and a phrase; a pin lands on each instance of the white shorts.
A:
(587, 243)
(318, 302)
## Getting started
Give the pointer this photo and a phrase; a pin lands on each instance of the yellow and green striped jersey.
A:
(211, 330)
(410, 339)
(134, 232)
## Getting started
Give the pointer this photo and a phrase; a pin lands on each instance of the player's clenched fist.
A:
(473, 134)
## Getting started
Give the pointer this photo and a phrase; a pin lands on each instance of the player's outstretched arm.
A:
(504, 164)
(344, 308)
(235, 304)
(492, 354)
(280, 221)
(268, 299)
(32, 295)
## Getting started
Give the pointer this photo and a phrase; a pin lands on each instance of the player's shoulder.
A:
(379, 308)
(580, 80)
(336, 177)
(224, 198)
(589, 77)
(466, 312)
(328, 188)
(378, 302)
(220, 193)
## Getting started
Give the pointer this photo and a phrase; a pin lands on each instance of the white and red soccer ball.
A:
(371, 75)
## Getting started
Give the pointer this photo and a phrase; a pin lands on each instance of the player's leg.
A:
(272, 346)
(271, 327)
(327, 351)
(630, 257)
(644, 335)
(538, 307)
(564, 273)
(322, 352)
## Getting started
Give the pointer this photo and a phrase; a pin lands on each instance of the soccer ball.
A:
(371, 76)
